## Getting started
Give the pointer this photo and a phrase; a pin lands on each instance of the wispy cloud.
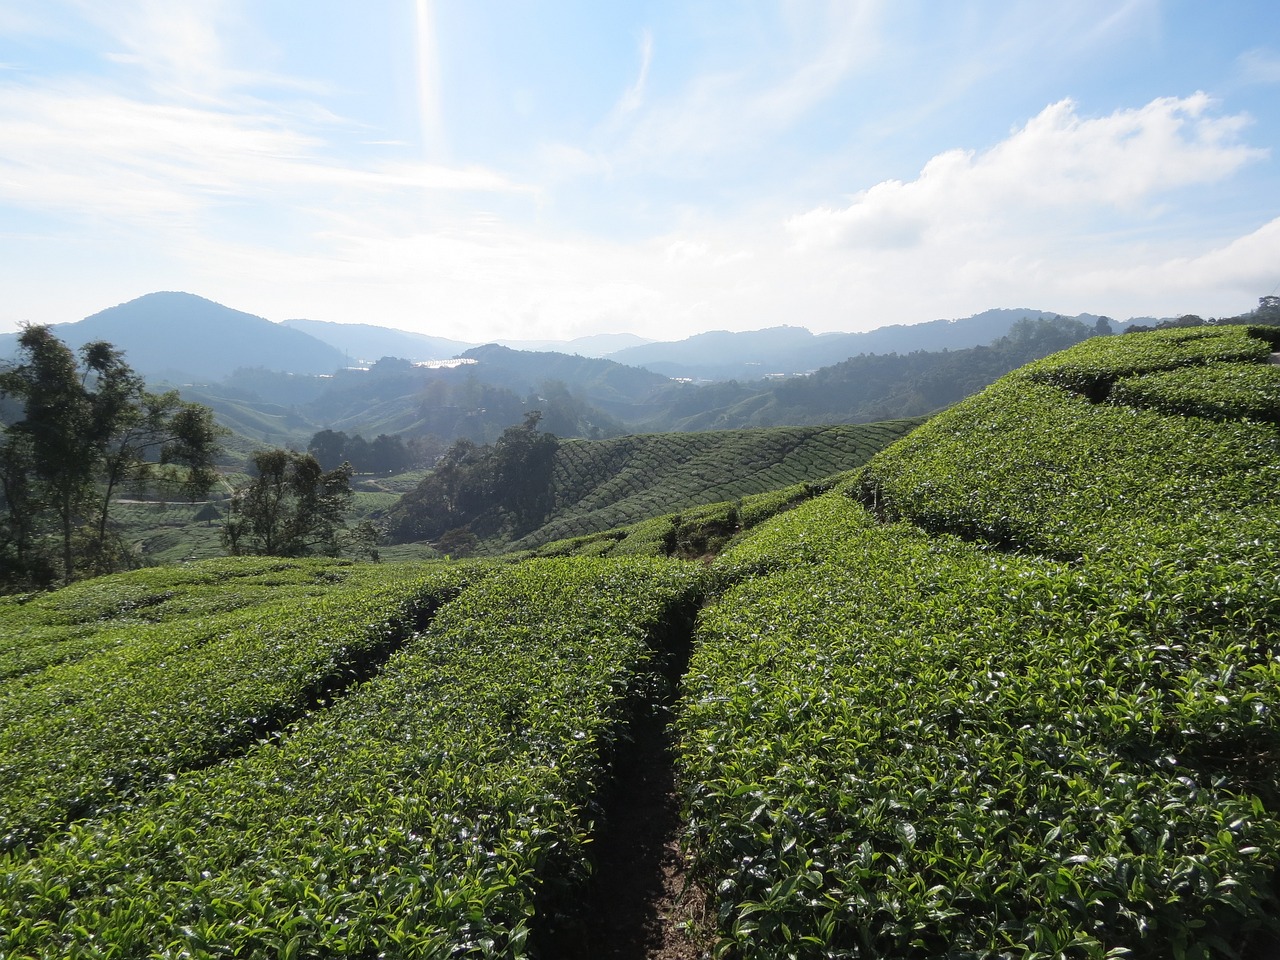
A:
(633, 97)
(721, 111)
(1259, 66)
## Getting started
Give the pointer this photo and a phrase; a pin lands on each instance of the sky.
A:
(487, 169)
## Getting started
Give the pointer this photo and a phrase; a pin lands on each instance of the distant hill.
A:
(721, 355)
(180, 336)
(866, 387)
(364, 343)
(595, 399)
(606, 383)
(599, 345)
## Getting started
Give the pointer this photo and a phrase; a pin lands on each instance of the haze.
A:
(514, 169)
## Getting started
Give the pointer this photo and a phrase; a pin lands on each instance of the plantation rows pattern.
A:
(901, 742)
(656, 474)
(432, 812)
(1011, 690)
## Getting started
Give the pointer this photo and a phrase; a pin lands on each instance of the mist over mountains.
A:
(279, 383)
(181, 336)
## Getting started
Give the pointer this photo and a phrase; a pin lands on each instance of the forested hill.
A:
(868, 387)
(751, 355)
(596, 399)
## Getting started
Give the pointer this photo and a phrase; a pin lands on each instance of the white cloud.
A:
(633, 97)
(1058, 163)
(89, 155)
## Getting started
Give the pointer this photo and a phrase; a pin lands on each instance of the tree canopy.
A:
(481, 490)
(82, 428)
(291, 507)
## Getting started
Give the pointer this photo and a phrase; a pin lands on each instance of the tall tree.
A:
(85, 427)
(290, 508)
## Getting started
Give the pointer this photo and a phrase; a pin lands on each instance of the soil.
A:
(640, 904)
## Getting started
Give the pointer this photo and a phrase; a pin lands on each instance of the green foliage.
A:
(385, 454)
(168, 679)
(1215, 391)
(1026, 705)
(609, 484)
(436, 811)
(1009, 690)
(1091, 368)
(87, 428)
(291, 508)
(481, 491)
(1029, 465)
(913, 747)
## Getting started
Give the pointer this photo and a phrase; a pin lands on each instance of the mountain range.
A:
(182, 337)
(278, 384)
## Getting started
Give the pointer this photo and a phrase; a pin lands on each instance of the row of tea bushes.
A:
(152, 699)
(913, 747)
(441, 810)
(41, 629)
(1092, 367)
(1014, 692)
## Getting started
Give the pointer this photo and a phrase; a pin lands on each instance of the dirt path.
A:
(641, 905)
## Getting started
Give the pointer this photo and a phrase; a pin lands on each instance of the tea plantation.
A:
(1009, 690)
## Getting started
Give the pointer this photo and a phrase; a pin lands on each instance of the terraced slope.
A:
(441, 809)
(604, 484)
(1016, 691)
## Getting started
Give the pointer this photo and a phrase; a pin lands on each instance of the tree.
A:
(329, 448)
(86, 426)
(387, 454)
(503, 489)
(291, 508)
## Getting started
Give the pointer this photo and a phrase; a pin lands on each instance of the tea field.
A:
(1014, 690)
(1009, 690)
(601, 485)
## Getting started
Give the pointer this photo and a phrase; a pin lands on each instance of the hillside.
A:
(593, 398)
(562, 489)
(752, 355)
(1011, 690)
(181, 336)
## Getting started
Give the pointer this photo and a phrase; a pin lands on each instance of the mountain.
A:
(180, 336)
(597, 346)
(721, 355)
(365, 343)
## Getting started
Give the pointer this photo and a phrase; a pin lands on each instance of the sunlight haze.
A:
(517, 169)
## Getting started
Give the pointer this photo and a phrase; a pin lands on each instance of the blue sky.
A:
(552, 168)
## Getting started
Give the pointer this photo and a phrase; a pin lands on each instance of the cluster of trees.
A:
(383, 455)
(292, 507)
(1266, 314)
(480, 491)
(78, 429)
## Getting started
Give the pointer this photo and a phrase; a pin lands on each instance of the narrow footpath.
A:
(641, 905)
